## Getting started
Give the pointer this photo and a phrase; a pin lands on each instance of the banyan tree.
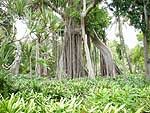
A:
(71, 63)
(80, 32)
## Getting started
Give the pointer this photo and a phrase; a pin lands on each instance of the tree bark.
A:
(37, 65)
(84, 13)
(30, 65)
(45, 69)
(14, 68)
(145, 41)
(146, 59)
(70, 63)
(107, 55)
(87, 52)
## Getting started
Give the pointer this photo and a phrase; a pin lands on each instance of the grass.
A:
(100, 95)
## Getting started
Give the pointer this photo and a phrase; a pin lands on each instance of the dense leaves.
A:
(6, 87)
(133, 9)
(43, 95)
(100, 23)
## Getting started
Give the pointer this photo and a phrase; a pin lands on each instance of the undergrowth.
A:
(21, 94)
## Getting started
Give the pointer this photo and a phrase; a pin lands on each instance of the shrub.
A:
(6, 84)
(100, 95)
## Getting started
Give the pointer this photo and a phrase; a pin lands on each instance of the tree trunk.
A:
(71, 59)
(37, 65)
(107, 55)
(103, 65)
(14, 68)
(102, 61)
(30, 65)
(45, 68)
(70, 63)
(90, 69)
(87, 52)
(146, 60)
(95, 61)
(146, 45)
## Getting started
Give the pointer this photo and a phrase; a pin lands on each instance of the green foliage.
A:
(27, 55)
(6, 87)
(96, 21)
(140, 37)
(100, 95)
(6, 50)
(131, 9)
(20, 6)
(58, 3)
(16, 7)
(137, 56)
(6, 21)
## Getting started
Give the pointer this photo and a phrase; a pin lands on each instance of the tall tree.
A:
(70, 62)
(71, 59)
(138, 13)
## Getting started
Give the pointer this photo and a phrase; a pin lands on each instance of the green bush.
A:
(100, 95)
(6, 84)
